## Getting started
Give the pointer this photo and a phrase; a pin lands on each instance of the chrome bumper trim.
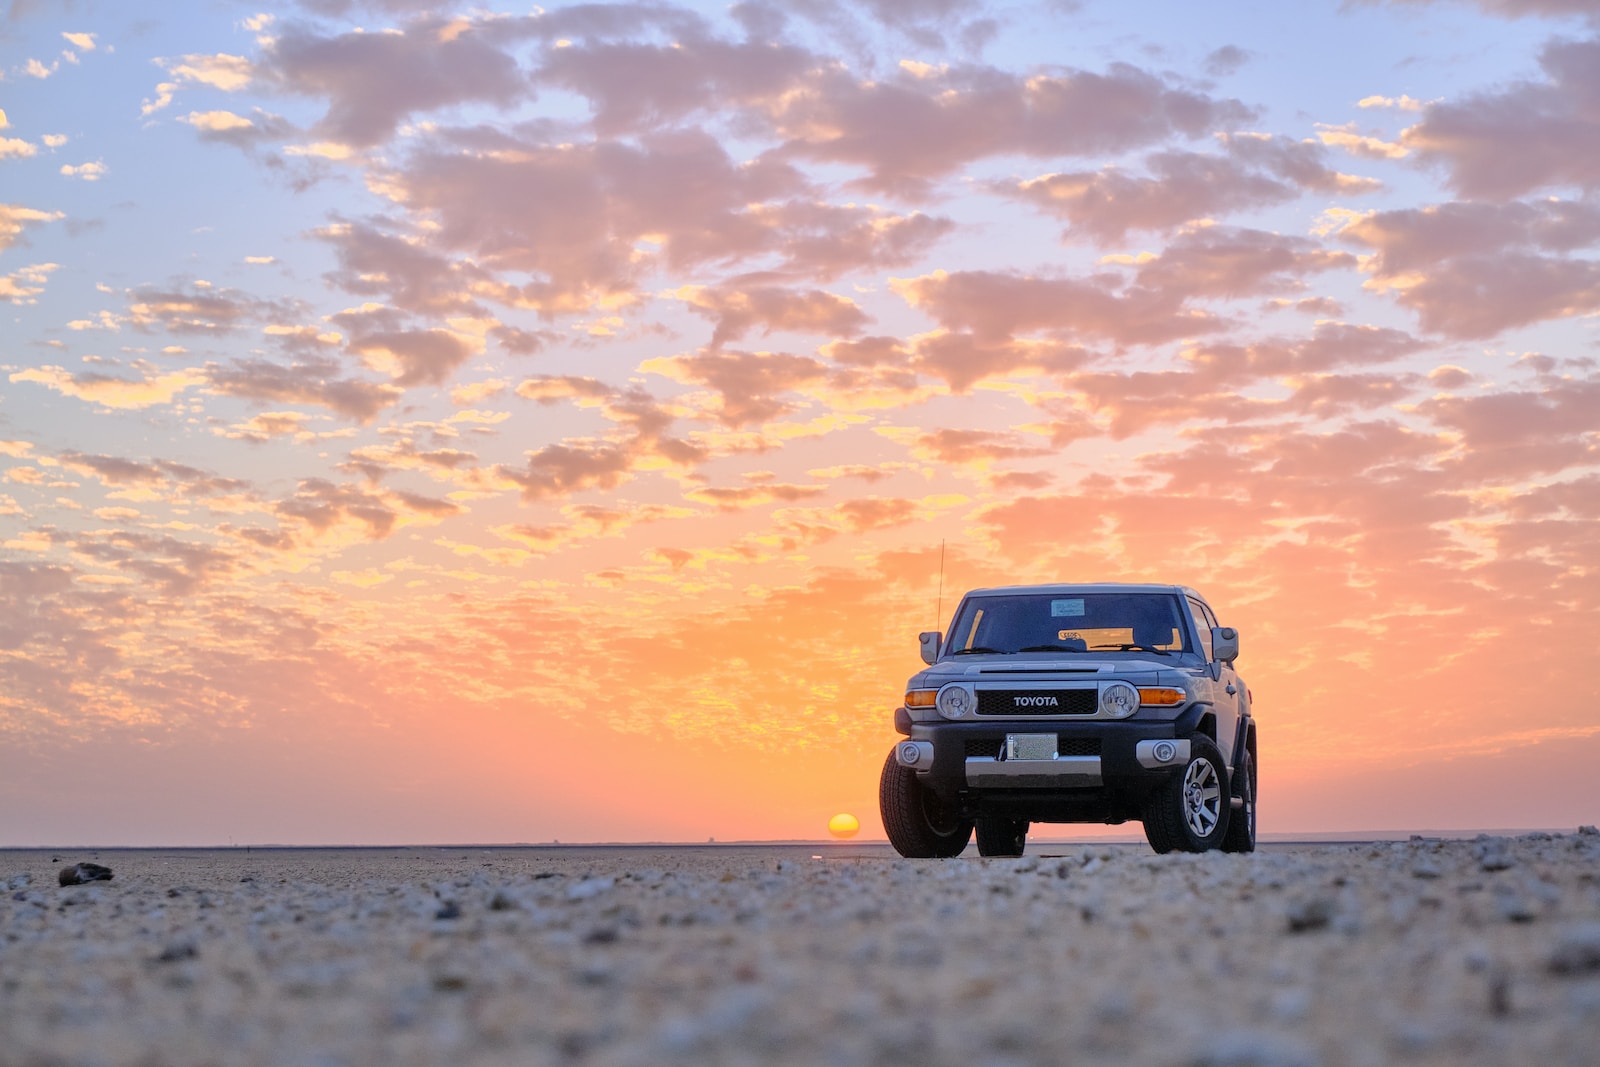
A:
(1153, 755)
(1061, 772)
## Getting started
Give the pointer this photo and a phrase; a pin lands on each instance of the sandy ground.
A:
(1420, 952)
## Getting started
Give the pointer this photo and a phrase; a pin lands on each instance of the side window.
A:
(1202, 624)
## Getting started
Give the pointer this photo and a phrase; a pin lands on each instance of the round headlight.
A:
(956, 701)
(1119, 700)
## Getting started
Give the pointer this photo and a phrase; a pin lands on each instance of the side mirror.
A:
(1225, 643)
(930, 642)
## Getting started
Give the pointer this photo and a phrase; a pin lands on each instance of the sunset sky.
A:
(432, 423)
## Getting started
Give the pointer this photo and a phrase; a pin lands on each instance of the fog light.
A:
(1165, 751)
(909, 754)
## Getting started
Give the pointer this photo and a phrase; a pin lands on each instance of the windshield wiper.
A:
(976, 649)
(1052, 648)
(1137, 648)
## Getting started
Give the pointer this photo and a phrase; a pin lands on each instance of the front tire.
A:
(999, 836)
(1189, 811)
(919, 824)
(1241, 836)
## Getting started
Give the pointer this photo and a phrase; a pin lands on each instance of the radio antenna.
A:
(938, 611)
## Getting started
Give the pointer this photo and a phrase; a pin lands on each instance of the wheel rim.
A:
(938, 817)
(1202, 798)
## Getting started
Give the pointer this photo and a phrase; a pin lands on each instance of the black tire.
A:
(919, 825)
(998, 836)
(1200, 791)
(1241, 836)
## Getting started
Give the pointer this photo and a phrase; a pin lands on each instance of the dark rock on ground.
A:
(83, 873)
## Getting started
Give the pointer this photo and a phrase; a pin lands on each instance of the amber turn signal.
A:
(1161, 696)
(921, 698)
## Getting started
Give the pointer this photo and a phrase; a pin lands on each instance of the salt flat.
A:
(1420, 952)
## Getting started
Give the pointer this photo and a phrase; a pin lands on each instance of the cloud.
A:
(1528, 136)
(997, 305)
(374, 81)
(24, 286)
(577, 464)
(1471, 269)
(1514, 8)
(1256, 171)
(15, 147)
(87, 172)
(907, 130)
(738, 311)
(227, 127)
(1351, 140)
(749, 385)
(111, 391)
(572, 216)
(312, 380)
(636, 86)
(415, 357)
(221, 71)
(14, 218)
(198, 308)
(974, 448)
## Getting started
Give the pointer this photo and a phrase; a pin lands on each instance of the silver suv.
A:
(1074, 703)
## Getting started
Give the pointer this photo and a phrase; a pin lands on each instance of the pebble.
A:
(1577, 951)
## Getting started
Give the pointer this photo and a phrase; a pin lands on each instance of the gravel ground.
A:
(1422, 952)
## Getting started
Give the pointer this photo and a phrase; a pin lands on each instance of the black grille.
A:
(1037, 701)
(989, 748)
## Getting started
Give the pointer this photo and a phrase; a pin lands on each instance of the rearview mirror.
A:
(1225, 643)
(930, 642)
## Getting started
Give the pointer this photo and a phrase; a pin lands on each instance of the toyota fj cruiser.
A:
(1074, 703)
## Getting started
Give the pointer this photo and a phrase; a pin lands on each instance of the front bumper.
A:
(1126, 756)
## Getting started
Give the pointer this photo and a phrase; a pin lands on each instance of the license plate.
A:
(1031, 746)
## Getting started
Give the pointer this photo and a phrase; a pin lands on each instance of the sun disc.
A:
(844, 825)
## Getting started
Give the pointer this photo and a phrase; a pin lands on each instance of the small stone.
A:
(601, 935)
(590, 887)
(1577, 951)
(448, 910)
(1426, 869)
(1492, 855)
(84, 873)
(176, 952)
(1588, 831)
(1514, 907)
(1499, 992)
(501, 902)
(1250, 1049)
(1308, 915)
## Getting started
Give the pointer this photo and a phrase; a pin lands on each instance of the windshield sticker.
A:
(1070, 609)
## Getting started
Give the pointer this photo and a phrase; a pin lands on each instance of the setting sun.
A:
(844, 825)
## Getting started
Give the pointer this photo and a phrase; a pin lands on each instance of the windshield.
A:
(1056, 622)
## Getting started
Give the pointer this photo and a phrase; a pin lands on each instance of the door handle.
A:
(1231, 690)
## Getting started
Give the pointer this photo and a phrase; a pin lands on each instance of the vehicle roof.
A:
(1087, 587)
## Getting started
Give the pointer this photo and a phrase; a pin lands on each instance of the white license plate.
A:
(1031, 746)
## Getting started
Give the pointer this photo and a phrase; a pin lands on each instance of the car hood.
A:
(1021, 666)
